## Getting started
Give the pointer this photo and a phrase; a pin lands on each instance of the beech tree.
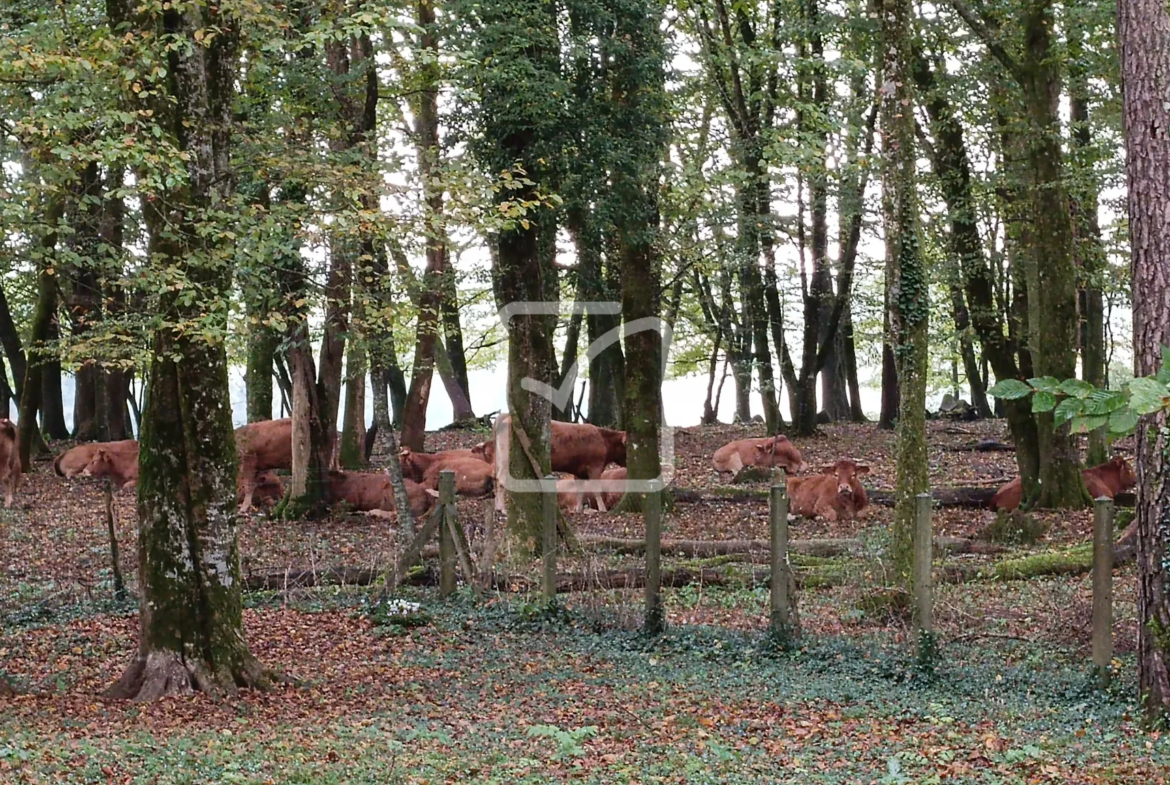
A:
(190, 608)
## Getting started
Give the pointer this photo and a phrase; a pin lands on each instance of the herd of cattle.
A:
(583, 452)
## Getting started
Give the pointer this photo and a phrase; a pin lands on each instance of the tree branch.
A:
(986, 27)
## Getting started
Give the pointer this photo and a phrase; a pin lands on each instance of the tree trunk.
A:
(431, 294)
(310, 461)
(891, 396)
(262, 346)
(332, 355)
(523, 37)
(1143, 29)
(1052, 293)
(31, 440)
(52, 404)
(639, 124)
(453, 363)
(856, 413)
(191, 633)
(952, 167)
(82, 294)
(967, 350)
(10, 336)
(353, 421)
(909, 307)
(1089, 249)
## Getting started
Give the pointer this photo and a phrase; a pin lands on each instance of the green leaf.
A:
(1123, 421)
(1103, 402)
(1147, 395)
(1085, 424)
(1010, 390)
(1043, 402)
(1066, 410)
(1076, 387)
(1046, 383)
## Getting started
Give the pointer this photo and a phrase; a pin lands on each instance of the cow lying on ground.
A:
(1108, 480)
(262, 445)
(9, 459)
(415, 465)
(835, 494)
(121, 466)
(767, 452)
(578, 449)
(473, 477)
(73, 461)
(374, 493)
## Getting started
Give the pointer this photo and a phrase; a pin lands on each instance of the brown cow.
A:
(571, 498)
(120, 467)
(615, 445)
(267, 488)
(416, 464)
(262, 445)
(768, 451)
(473, 477)
(578, 449)
(9, 459)
(1108, 479)
(71, 462)
(834, 494)
(373, 492)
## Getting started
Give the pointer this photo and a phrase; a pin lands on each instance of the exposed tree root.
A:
(158, 674)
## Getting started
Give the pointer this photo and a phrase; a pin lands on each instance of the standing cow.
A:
(10, 467)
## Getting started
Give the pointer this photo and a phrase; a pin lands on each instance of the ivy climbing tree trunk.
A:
(32, 388)
(1143, 29)
(639, 118)
(521, 121)
(191, 633)
(909, 306)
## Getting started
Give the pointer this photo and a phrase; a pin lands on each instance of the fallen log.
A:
(972, 497)
(825, 547)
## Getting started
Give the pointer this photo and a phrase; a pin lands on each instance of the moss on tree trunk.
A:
(909, 307)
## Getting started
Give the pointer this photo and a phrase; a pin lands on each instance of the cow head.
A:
(846, 472)
(780, 452)
(485, 451)
(98, 465)
(1126, 478)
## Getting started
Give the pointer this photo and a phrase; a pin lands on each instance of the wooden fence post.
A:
(488, 553)
(781, 624)
(655, 614)
(446, 539)
(923, 581)
(115, 559)
(549, 512)
(1102, 588)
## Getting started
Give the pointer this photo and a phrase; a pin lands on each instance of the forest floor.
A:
(499, 690)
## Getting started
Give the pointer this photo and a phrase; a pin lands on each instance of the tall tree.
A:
(639, 122)
(1047, 237)
(521, 121)
(191, 633)
(909, 306)
(1143, 30)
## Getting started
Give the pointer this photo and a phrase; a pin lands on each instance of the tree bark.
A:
(262, 346)
(191, 633)
(639, 127)
(909, 306)
(31, 439)
(1143, 29)
(52, 404)
(952, 167)
(430, 295)
(353, 421)
(515, 128)
(13, 349)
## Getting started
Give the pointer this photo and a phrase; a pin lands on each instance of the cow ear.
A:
(862, 468)
(432, 492)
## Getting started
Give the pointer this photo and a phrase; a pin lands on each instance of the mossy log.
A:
(970, 497)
